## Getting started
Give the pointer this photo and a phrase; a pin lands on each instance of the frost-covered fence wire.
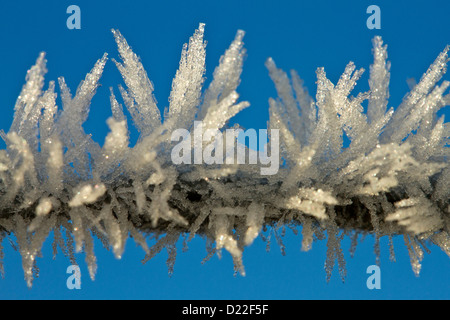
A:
(393, 178)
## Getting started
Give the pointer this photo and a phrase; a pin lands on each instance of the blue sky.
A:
(297, 35)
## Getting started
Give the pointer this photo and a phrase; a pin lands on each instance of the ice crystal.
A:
(392, 179)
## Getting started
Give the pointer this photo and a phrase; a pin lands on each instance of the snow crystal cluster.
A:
(392, 179)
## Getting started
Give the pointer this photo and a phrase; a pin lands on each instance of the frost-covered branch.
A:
(392, 179)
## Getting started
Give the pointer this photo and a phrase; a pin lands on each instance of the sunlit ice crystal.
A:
(392, 179)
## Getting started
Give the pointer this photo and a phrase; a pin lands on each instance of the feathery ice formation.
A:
(393, 178)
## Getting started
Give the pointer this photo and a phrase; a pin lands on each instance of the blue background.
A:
(298, 35)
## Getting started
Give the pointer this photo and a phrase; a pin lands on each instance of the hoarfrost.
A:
(393, 178)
